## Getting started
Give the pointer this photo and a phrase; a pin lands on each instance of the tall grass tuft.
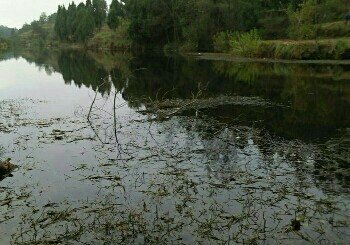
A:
(246, 44)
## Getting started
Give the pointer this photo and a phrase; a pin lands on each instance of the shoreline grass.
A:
(318, 49)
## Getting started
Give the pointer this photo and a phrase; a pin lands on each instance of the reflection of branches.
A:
(89, 114)
(162, 114)
(96, 133)
(115, 123)
(161, 150)
(115, 107)
(165, 191)
(92, 104)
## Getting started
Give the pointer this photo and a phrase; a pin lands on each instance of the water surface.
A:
(263, 156)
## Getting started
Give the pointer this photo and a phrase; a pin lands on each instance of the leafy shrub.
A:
(299, 51)
(331, 10)
(246, 44)
(283, 51)
(302, 21)
(171, 47)
(221, 41)
(117, 39)
(305, 20)
(3, 44)
(339, 48)
(271, 23)
(189, 46)
(334, 29)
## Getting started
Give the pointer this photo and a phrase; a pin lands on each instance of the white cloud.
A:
(15, 13)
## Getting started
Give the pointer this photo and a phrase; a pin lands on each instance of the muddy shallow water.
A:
(153, 149)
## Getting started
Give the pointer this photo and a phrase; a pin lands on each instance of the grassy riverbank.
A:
(326, 41)
(317, 49)
(334, 49)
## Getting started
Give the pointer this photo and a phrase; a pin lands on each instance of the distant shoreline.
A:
(233, 58)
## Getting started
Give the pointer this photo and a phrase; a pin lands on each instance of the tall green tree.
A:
(150, 22)
(60, 23)
(43, 18)
(88, 4)
(70, 22)
(116, 11)
(190, 22)
(85, 23)
(99, 12)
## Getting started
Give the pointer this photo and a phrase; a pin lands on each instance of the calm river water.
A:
(119, 148)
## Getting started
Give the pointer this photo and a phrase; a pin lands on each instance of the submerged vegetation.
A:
(258, 153)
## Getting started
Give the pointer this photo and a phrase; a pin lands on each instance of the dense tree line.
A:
(189, 24)
(192, 24)
(159, 22)
(77, 23)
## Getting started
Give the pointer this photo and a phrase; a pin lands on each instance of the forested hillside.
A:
(5, 36)
(6, 32)
(38, 33)
(235, 26)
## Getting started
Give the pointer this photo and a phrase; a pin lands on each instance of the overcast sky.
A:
(15, 13)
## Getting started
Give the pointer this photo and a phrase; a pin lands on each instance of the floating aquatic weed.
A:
(184, 180)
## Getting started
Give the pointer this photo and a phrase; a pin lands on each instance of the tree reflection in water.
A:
(232, 174)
